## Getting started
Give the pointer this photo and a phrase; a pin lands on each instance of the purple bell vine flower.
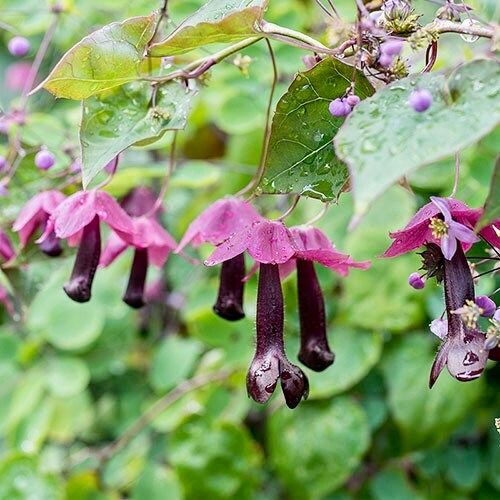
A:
(151, 242)
(78, 219)
(214, 225)
(34, 216)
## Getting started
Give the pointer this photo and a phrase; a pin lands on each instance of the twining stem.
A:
(40, 55)
(159, 407)
(271, 29)
(166, 180)
(457, 175)
(215, 58)
(319, 215)
(267, 131)
(290, 209)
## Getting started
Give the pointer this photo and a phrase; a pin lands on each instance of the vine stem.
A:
(457, 175)
(40, 55)
(443, 26)
(271, 29)
(267, 131)
(319, 215)
(290, 209)
(166, 180)
(159, 407)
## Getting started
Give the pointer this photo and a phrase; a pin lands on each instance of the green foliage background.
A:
(75, 377)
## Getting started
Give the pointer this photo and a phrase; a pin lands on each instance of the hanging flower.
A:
(151, 243)
(34, 216)
(214, 225)
(272, 245)
(79, 217)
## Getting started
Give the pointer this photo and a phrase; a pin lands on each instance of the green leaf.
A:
(112, 122)
(21, 478)
(463, 467)
(65, 324)
(301, 158)
(356, 353)
(218, 21)
(173, 361)
(156, 483)
(316, 448)
(384, 139)
(107, 58)
(215, 459)
(67, 376)
(492, 204)
(423, 415)
(392, 483)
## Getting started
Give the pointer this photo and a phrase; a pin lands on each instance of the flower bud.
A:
(420, 100)
(487, 305)
(352, 100)
(44, 159)
(396, 9)
(416, 281)
(339, 108)
(19, 46)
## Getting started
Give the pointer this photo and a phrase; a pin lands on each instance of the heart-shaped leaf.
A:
(107, 58)
(218, 21)
(114, 121)
(385, 139)
(301, 158)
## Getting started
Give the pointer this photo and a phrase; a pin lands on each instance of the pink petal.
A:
(74, 213)
(233, 246)
(409, 239)
(310, 238)
(271, 242)
(115, 246)
(109, 211)
(7, 251)
(491, 234)
(151, 235)
(287, 268)
(219, 221)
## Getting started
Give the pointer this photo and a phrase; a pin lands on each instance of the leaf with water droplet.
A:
(105, 59)
(218, 21)
(380, 151)
(106, 130)
(301, 145)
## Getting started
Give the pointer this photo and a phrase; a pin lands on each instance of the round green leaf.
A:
(215, 459)
(67, 376)
(316, 448)
(356, 353)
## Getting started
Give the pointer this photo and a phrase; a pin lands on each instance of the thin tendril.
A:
(166, 181)
(319, 215)
(284, 215)
(324, 9)
(489, 244)
(267, 132)
(494, 270)
(457, 175)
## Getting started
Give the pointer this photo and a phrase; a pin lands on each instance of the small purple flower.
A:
(416, 281)
(487, 305)
(392, 47)
(385, 60)
(44, 159)
(420, 100)
(352, 100)
(449, 230)
(339, 107)
(19, 46)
